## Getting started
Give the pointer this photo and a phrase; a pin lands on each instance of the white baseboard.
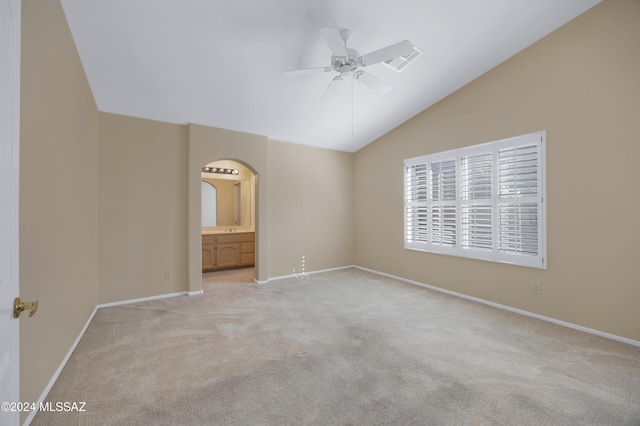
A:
(47, 389)
(53, 380)
(146, 299)
(508, 308)
(284, 277)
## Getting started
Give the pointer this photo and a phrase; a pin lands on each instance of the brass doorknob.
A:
(19, 306)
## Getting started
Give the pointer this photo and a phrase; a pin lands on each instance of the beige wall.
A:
(142, 204)
(58, 194)
(311, 209)
(581, 85)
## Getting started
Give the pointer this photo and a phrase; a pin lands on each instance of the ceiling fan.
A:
(348, 62)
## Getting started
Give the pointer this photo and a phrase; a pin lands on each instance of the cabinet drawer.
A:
(247, 247)
(208, 239)
(234, 238)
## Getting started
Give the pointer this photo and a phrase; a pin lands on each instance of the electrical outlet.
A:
(536, 288)
(168, 273)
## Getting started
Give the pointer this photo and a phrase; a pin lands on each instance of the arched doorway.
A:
(229, 220)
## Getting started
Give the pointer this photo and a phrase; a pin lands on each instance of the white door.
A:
(9, 157)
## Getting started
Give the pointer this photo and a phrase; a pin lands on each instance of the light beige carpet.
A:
(340, 348)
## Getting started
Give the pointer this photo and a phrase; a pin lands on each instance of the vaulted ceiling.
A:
(219, 62)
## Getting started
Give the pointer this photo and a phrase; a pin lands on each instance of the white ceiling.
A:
(218, 62)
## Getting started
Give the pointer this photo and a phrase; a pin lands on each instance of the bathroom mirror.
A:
(209, 204)
(227, 197)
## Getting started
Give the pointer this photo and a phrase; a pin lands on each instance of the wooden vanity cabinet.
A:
(225, 251)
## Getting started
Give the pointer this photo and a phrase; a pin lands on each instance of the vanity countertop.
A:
(214, 230)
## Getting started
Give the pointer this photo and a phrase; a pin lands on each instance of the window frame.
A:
(521, 212)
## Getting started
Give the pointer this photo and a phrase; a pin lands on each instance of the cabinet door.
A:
(208, 257)
(228, 255)
(247, 254)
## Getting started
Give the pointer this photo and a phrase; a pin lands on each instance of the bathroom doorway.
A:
(228, 200)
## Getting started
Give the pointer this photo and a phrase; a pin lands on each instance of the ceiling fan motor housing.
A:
(345, 64)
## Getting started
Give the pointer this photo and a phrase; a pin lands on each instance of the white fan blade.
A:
(332, 89)
(334, 40)
(373, 82)
(305, 71)
(390, 52)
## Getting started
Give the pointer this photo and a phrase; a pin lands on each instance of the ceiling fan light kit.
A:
(347, 62)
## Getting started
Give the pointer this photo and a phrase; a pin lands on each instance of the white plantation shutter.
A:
(443, 180)
(518, 171)
(416, 211)
(477, 210)
(476, 172)
(484, 202)
(477, 227)
(443, 202)
(443, 225)
(520, 200)
(519, 228)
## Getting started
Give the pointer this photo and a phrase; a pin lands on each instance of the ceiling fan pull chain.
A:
(352, 107)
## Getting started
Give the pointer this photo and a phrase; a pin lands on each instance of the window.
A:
(483, 202)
